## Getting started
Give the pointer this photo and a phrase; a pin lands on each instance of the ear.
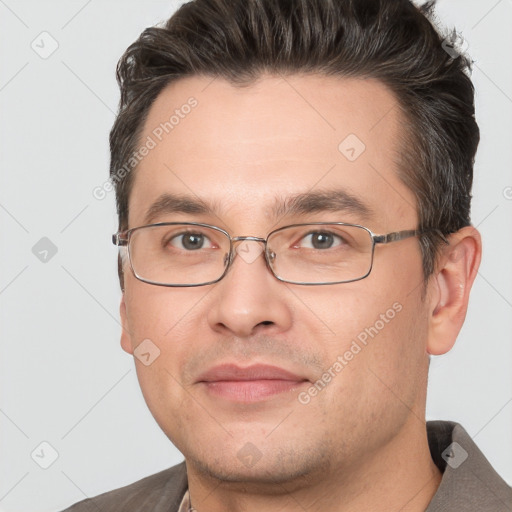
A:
(126, 340)
(450, 286)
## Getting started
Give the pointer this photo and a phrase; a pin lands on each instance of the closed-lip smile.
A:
(250, 384)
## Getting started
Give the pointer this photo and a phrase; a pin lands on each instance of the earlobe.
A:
(451, 284)
(126, 341)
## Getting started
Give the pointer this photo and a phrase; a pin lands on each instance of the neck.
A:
(400, 476)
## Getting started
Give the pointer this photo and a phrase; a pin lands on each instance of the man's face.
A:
(241, 150)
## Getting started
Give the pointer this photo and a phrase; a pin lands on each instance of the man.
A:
(293, 185)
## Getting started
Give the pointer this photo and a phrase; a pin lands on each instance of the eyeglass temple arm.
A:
(396, 235)
(401, 235)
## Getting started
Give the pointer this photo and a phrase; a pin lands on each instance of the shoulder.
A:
(161, 492)
(469, 483)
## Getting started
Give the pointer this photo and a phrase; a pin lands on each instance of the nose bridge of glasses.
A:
(252, 238)
(248, 252)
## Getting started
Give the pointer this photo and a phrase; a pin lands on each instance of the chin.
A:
(262, 471)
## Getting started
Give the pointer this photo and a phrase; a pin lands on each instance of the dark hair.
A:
(392, 41)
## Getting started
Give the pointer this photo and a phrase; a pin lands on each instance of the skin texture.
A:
(360, 444)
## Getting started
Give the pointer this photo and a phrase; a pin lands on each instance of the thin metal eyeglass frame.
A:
(122, 239)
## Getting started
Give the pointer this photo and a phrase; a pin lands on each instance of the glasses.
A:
(195, 254)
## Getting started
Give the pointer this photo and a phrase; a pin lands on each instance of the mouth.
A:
(251, 384)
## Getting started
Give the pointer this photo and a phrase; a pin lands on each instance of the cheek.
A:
(382, 351)
(346, 313)
(158, 312)
(161, 324)
(160, 329)
(376, 333)
(396, 363)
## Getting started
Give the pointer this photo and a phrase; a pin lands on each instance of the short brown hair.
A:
(389, 40)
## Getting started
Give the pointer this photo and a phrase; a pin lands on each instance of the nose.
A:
(249, 298)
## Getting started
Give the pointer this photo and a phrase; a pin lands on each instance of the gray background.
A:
(64, 378)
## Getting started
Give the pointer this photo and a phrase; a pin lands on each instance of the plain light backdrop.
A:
(64, 379)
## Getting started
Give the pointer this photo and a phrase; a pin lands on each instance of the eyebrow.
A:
(330, 200)
(173, 203)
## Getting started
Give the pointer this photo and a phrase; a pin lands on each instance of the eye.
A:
(191, 241)
(321, 240)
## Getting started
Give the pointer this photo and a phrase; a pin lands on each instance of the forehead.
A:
(244, 149)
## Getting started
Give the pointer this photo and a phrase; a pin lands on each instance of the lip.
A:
(250, 384)
(232, 372)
